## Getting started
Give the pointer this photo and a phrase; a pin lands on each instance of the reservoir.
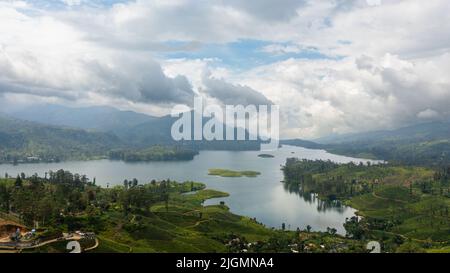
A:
(264, 197)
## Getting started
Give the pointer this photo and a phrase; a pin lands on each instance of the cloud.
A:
(72, 2)
(232, 94)
(47, 57)
(320, 97)
(280, 10)
(428, 114)
(386, 70)
(138, 80)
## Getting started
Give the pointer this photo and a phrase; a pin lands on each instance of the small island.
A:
(266, 156)
(230, 173)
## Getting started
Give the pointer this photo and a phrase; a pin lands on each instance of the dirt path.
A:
(68, 238)
(198, 223)
(401, 235)
(129, 247)
(93, 247)
(389, 199)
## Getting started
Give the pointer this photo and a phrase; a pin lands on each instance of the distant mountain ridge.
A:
(98, 118)
(135, 130)
(423, 131)
(421, 144)
(62, 130)
(302, 143)
(158, 132)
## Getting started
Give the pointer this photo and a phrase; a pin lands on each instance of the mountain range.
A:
(55, 132)
(98, 118)
(64, 131)
(419, 144)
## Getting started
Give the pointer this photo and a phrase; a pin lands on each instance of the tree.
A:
(5, 197)
(135, 182)
(355, 228)
(308, 228)
(166, 201)
(18, 182)
(332, 231)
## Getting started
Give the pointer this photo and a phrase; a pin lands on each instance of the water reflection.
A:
(263, 198)
(323, 205)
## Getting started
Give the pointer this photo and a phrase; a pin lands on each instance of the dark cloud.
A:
(280, 10)
(140, 80)
(231, 94)
(32, 89)
(134, 78)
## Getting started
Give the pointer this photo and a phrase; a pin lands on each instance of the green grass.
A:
(440, 250)
(231, 173)
(420, 217)
(182, 226)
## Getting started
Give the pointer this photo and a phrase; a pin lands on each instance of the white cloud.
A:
(339, 96)
(391, 67)
(45, 56)
(428, 114)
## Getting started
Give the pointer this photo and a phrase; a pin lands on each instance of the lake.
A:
(264, 197)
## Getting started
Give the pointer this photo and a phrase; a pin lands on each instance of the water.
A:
(263, 197)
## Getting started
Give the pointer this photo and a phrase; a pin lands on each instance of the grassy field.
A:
(230, 173)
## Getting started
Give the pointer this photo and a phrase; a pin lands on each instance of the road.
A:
(9, 248)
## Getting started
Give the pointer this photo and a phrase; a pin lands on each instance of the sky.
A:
(333, 66)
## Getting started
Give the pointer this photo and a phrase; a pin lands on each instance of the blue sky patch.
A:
(59, 4)
(243, 54)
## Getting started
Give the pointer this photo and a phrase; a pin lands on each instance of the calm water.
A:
(263, 197)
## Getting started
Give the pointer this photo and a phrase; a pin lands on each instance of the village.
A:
(16, 238)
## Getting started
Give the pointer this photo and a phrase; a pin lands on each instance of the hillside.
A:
(302, 143)
(21, 139)
(400, 204)
(423, 144)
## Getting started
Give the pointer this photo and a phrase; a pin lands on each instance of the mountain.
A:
(421, 144)
(302, 143)
(419, 132)
(134, 129)
(98, 118)
(158, 132)
(21, 139)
